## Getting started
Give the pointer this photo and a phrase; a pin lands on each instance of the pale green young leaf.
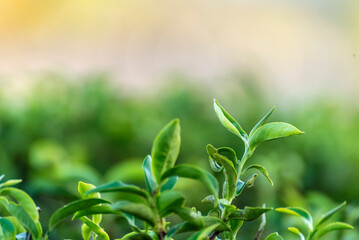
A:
(169, 184)
(274, 236)
(119, 186)
(296, 232)
(165, 149)
(261, 169)
(299, 212)
(146, 166)
(230, 175)
(136, 236)
(18, 227)
(168, 201)
(229, 122)
(82, 188)
(86, 232)
(95, 228)
(204, 233)
(72, 208)
(188, 171)
(332, 227)
(23, 199)
(261, 122)
(23, 217)
(10, 182)
(138, 210)
(272, 131)
(189, 215)
(249, 213)
(329, 214)
(7, 230)
(249, 183)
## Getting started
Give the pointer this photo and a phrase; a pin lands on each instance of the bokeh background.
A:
(86, 85)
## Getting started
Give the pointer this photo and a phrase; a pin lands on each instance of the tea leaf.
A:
(249, 213)
(82, 188)
(272, 131)
(189, 216)
(136, 236)
(119, 186)
(146, 166)
(249, 182)
(274, 236)
(230, 175)
(23, 199)
(169, 200)
(329, 214)
(10, 182)
(165, 149)
(203, 234)
(138, 210)
(95, 228)
(299, 212)
(7, 230)
(229, 122)
(261, 169)
(297, 232)
(72, 208)
(170, 184)
(23, 217)
(332, 227)
(261, 122)
(188, 171)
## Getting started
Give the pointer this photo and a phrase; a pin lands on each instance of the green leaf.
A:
(10, 182)
(168, 201)
(2, 177)
(188, 171)
(229, 122)
(15, 222)
(23, 199)
(82, 189)
(230, 175)
(241, 185)
(274, 236)
(165, 149)
(138, 210)
(189, 215)
(299, 212)
(329, 214)
(261, 122)
(119, 186)
(209, 199)
(136, 236)
(86, 232)
(23, 217)
(170, 184)
(210, 221)
(272, 131)
(95, 228)
(7, 230)
(72, 208)
(203, 234)
(261, 169)
(297, 232)
(332, 227)
(146, 166)
(230, 154)
(249, 213)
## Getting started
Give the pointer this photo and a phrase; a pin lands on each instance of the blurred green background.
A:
(86, 85)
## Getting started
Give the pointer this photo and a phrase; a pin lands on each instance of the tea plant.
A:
(147, 211)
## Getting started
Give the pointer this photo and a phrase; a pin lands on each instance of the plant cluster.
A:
(148, 212)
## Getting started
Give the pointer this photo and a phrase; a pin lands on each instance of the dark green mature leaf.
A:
(329, 214)
(168, 201)
(261, 122)
(299, 212)
(274, 236)
(119, 186)
(146, 166)
(188, 171)
(221, 226)
(7, 230)
(95, 228)
(23, 217)
(229, 122)
(138, 210)
(332, 227)
(72, 208)
(249, 213)
(261, 169)
(170, 184)
(165, 149)
(23, 199)
(296, 232)
(136, 236)
(272, 131)
(203, 234)
(241, 185)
